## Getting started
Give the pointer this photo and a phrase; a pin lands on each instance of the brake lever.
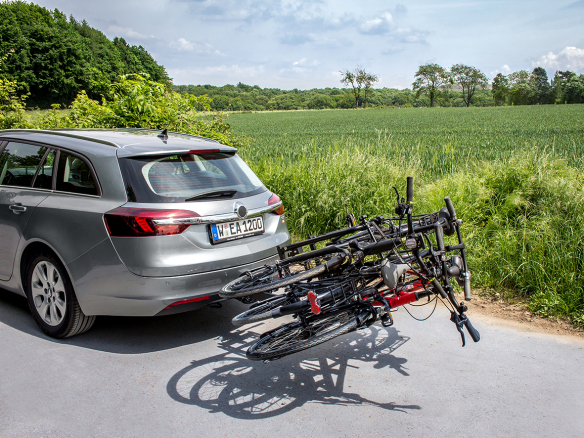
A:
(459, 324)
(462, 320)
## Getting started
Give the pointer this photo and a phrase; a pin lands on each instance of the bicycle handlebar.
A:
(410, 190)
(450, 208)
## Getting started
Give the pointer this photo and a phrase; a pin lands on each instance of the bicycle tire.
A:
(261, 311)
(234, 288)
(292, 338)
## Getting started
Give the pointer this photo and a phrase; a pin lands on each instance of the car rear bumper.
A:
(109, 288)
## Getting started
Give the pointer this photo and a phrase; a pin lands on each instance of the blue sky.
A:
(303, 44)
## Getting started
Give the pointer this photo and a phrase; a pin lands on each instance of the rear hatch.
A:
(193, 211)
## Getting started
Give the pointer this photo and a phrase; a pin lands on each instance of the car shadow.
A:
(130, 335)
(231, 384)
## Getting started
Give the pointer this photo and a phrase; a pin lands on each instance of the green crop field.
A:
(443, 139)
(515, 174)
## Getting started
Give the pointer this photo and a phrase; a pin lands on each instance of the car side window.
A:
(19, 163)
(44, 178)
(74, 175)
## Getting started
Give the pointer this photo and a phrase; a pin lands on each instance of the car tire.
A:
(52, 300)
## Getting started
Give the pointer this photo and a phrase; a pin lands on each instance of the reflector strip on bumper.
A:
(190, 300)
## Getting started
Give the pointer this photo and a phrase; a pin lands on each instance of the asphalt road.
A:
(186, 375)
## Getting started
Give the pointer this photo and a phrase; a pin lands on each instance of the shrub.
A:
(137, 102)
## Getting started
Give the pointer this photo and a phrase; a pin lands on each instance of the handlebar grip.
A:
(473, 332)
(450, 208)
(467, 295)
(410, 190)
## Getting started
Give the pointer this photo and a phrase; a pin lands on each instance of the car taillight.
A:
(274, 200)
(134, 222)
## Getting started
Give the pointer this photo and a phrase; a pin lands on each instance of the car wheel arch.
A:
(32, 249)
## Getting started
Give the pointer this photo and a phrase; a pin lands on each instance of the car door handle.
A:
(17, 208)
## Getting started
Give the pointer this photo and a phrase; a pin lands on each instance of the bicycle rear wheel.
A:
(261, 311)
(295, 337)
(266, 279)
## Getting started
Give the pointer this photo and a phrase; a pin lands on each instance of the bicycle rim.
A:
(261, 311)
(294, 337)
(243, 286)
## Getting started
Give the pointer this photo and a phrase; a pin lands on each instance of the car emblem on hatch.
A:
(240, 210)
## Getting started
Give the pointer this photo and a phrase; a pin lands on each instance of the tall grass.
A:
(522, 203)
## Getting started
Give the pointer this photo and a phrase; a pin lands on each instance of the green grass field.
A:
(443, 139)
(515, 175)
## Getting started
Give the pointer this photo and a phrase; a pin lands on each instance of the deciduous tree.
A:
(431, 79)
(468, 78)
(542, 90)
(368, 80)
(350, 78)
(521, 92)
(500, 89)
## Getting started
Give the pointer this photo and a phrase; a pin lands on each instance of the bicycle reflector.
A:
(138, 222)
(274, 199)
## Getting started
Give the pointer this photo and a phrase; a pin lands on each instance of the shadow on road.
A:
(244, 389)
(129, 335)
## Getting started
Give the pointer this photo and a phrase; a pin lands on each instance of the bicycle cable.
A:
(427, 317)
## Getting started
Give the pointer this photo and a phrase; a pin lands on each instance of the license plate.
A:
(236, 230)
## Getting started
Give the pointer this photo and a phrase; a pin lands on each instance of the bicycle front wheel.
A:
(295, 337)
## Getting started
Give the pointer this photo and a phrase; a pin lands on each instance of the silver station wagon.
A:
(127, 222)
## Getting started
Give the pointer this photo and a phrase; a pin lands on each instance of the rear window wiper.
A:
(213, 194)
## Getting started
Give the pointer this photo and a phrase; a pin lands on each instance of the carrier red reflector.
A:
(190, 300)
(138, 222)
(274, 199)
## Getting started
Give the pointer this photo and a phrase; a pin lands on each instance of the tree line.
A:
(243, 97)
(52, 58)
(524, 88)
(460, 86)
(517, 88)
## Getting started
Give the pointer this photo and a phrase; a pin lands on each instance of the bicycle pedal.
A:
(386, 320)
(314, 303)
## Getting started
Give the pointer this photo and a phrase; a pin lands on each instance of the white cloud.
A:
(306, 62)
(569, 58)
(505, 69)
(183, 45)
(128, 32)
(378, 25)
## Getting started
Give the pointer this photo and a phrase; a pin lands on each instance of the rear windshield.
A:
(177, 178)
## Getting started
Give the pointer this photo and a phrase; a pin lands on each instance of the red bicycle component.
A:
(314, 303)
(404, 299)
